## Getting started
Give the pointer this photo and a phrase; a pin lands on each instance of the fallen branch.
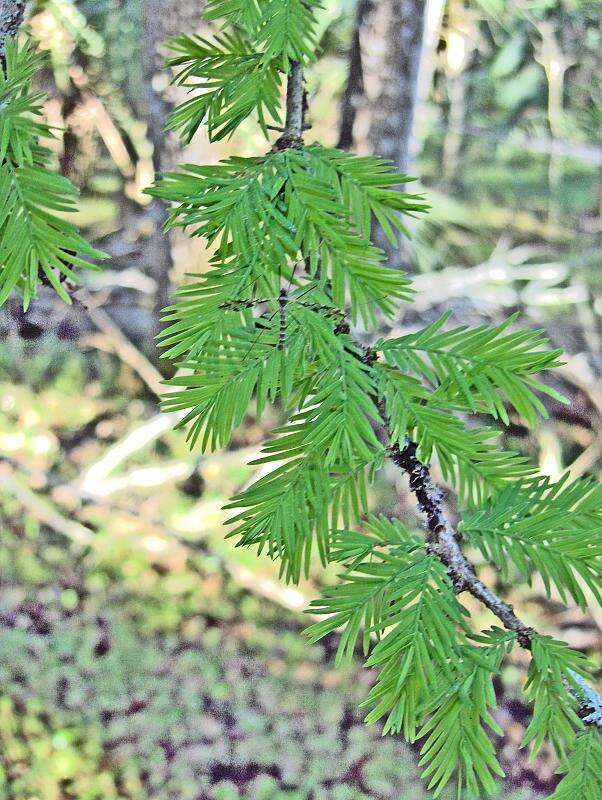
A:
(42, 510)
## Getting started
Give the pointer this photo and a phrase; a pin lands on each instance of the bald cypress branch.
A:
(293, 251)
(443, 541)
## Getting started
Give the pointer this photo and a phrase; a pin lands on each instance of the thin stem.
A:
(442, 540)
(11, 17)
(295, 109)
(294, 101)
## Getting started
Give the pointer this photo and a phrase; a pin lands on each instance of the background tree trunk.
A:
(160, 20)
(380, 96)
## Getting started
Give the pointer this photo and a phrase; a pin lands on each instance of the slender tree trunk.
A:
(433, 17)
(353, 96)
(380, 97)
(160, 20)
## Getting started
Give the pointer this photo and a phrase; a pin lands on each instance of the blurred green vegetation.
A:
(136, 666)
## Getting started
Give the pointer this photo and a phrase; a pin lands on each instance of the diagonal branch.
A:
(443, 541)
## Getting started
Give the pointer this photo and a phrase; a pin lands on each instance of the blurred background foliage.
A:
(141, 655)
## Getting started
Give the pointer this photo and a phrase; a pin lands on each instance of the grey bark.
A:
(160, 20)
(353, 94)
(384, 61)
(380, 97)
(292, 134)
(294, 102)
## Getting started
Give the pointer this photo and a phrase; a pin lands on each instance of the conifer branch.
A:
(11, 17)
(443, 541)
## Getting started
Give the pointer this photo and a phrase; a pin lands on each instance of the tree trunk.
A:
(380, 97)
(160, 20)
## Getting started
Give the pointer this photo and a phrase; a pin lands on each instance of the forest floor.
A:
(141, 654)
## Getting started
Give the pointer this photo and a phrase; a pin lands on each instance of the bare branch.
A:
(42, 509)
(442, 540)
(295, 109)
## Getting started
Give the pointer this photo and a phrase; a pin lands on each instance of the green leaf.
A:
(583, 768)
(236, 12)
(364, 184)
(467, 456)
(550, 676)
(287, 30)
(334, 248)
(542, 527)
(378, 559)
(415, 654)
(230, 362)
(481, 367)
(286, 509)
(236, 204)
(230, 81)
(37, 243)
(457, 738)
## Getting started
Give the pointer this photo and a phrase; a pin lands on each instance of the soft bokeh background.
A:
(141, 654)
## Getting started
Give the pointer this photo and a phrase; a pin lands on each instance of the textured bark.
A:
(379, 100)
(353, 96)
(384, 61)
(295, 109)
(160, 20)
(294, 101)
(11, 17)
(443, 541)
(393, 36)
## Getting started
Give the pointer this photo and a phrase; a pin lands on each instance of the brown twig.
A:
(42, 509)
(442, 540)
(295, 109)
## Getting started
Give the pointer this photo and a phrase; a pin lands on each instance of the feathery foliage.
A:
(553, 666)
(456, 736)
(583, 771)
(239, 72)
(484, 367)
(293, 268)
(37, 242)
(546, 528)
